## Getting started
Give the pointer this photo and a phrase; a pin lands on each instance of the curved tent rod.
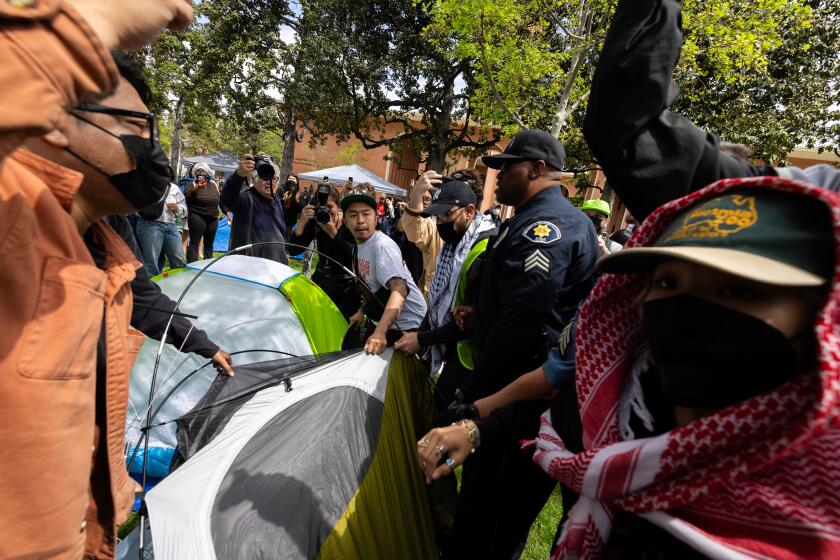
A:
(145, 429)
(154, 414)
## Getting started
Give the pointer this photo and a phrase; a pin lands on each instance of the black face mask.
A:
(710, 357)
(145, 186)
(596, 221)
(449, 234)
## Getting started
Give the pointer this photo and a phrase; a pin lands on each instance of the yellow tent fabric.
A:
(389, 516)
(320, 318)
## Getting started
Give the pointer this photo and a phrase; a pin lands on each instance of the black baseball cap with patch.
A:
(451, 193)
(530, 145)
(767, 236)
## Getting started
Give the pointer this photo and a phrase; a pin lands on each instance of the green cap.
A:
(362, 193)
(597, 205)
(767, 236)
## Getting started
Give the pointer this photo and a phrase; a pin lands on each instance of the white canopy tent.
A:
(218, 161)
(340, 175)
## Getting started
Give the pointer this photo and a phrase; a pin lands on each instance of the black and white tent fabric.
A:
(301, 458)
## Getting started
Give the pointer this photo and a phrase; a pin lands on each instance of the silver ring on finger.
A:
(450, 462)
(439, 449)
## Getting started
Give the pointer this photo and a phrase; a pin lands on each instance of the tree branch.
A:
(564, 111)
(483, 58)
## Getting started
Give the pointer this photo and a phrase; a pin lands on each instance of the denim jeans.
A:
(156, 239)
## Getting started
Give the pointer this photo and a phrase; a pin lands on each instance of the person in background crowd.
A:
(465, 233)
(651, 155)
(380, 265)
(183, 184)
(737, 150)
(203, 204)
(160, 238)
(623, 235)
(257, 211)
(536, 272)
(598, 211)
(420, 230)
(412, 257)
(380, 210)
(335, 241)
(61, 426)
(496, 214)
(291, 202)
(707, 359)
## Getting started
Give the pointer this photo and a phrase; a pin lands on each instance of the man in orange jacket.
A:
(64, 387)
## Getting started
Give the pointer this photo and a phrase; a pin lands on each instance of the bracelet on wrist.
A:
(473, 435)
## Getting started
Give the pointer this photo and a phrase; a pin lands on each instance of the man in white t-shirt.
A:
(379, 262)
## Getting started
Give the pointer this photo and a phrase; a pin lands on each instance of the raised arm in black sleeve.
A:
(147, 294)
(303, 240)
(447, 333)
(649, 154)
(341, 246)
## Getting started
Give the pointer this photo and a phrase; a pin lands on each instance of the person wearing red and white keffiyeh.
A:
(708, 381)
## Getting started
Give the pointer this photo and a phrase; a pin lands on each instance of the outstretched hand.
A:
(441, 444)
(408, 343)
(223, 362)
(376, 343)
(463, 316)
(427, 181)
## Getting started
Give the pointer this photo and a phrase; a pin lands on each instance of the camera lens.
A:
(322, 215)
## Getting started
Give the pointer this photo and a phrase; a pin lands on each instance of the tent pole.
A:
(146, 429)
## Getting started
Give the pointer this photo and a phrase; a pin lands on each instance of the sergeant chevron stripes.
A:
(537, 260)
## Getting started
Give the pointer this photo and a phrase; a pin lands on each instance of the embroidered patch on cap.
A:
(542, 232)
(719, 217)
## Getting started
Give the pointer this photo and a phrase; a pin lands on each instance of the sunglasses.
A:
(151, 120)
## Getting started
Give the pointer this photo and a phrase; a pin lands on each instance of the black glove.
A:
(466, 411)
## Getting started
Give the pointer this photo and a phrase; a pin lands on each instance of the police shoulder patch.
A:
(542, 232)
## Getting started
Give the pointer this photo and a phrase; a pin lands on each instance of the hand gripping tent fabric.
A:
(326, 470)
(244, 304)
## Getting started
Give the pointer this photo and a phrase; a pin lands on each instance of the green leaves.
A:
(750, 70)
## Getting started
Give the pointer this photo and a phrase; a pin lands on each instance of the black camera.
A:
(322, 212)
(265, 170)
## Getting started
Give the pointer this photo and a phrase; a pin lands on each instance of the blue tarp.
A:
(220, 245)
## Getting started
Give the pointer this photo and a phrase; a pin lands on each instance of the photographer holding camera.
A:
(291, 202)
(321, 220)
(258, 211)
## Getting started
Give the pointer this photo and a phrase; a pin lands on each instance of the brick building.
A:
(401, 166)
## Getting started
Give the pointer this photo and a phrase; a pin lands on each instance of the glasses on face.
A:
(449, 217)
(151, 120)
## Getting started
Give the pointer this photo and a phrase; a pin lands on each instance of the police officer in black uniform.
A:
(537, 270)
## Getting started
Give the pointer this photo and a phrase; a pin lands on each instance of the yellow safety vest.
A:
(466, 348)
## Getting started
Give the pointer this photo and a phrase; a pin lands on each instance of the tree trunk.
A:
(175, 160)
(289, 143)
(438, 146)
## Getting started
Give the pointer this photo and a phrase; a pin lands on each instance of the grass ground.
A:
(542, 531)
(538, 546)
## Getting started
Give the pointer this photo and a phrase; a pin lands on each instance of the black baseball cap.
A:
(451, 193)
(768, 236)
(531, 145)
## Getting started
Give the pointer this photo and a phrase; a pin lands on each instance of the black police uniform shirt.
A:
(538, 269)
